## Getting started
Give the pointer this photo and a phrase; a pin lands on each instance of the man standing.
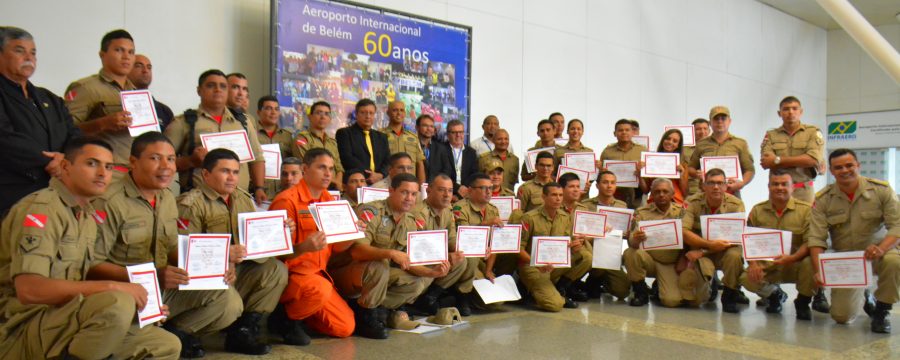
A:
(402, 140)
(502, 153)
(530, 193)
(485, 143)
(701, 131)
(625, 150)
(858, 213)
(268, 111)
(723, 143)
(94, 101)
(212, 116)
(437, 158)
(362, 148)
(315, 137)
(45, 248)
(238, 94)
(465, 158)
(35, 125)
(545, 134)
(795, 147)
(141, 76)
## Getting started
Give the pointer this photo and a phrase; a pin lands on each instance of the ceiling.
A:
(878, 12)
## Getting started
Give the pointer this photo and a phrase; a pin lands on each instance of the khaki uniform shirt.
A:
(94, 97)
(439, 220)
(732, 145)
(795, 219)
(539, 146)
(652, 212)
(284, 139)
(594, 202)
(204, 211)
(133, 232)
(468, 214)
(306, 140)
(807, 140)
(615, 152)
(383, 231)
(178, 132)
(693, 183)
(537, 222)
(406, 142)
(529, 195)
(698, 207)
(853, 225)
(503, 192)
(510, 167)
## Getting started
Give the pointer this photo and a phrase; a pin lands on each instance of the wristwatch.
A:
(777, 160)
(254, 188)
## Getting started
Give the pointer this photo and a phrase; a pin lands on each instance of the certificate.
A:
(145, 275)
(272, 156)
(729, 164)
(502, 289)
(662, 234)
(723, 227)
(337, 220)
(584, 161)
(641, 140)
(264, 234)
(624, 171)
(473, 241)
(143, 112)
(550, 250)
(505, 204)
(370, 194)
(423, 189)
(687, 133)
(426, 247)
(663, 165)
(236, 141)
(608, 251)
(765, 244)
(531, 157)
(848, 269)
(590, 224)
(617, 218)
(334, 194)
(583, 176)
(205, 259)
(506, 239)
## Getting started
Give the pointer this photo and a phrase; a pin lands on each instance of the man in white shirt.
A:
(485, 143)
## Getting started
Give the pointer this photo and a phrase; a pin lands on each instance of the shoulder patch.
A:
(301, 140)
(35, 220)
(99, 216)
(183, 223)
(525, 226)
(878, 182)
(420, 223)
(29, 242)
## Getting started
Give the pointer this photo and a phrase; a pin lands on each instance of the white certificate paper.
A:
(502, 289)
(583, 176)
(370, 194)
(145, 275)
(473, 241)
(662, 234)
(624, 171)
(337, 220)
(584, 161)
(506, 239)
(143, 113)
(590, 224)
(426, 247)
(264, 235)
(617, 218)
(272, 156)
(205, 259)
(848, 269)
(641, 140)
(236, 141)
(765, 244)
(728, 226)
(663, 165)
(531, 157)
(729, 164)
(505, 204)
(550, 250)
(608, 251)
(687, 133)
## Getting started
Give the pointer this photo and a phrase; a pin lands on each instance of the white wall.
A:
(855, 82)
(661, 62)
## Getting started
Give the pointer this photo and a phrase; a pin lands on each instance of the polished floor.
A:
(607, 329)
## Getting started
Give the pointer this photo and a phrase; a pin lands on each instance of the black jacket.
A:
(351, 144)
(439, 160)
(28, 127)
(469, 166)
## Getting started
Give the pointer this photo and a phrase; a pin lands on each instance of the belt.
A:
(120, 168)
(801, 185)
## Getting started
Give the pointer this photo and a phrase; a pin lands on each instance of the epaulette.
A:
(878, 182)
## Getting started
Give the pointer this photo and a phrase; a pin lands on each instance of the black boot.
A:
(190, 345)
(714, 287)
(369, 323)
(595, 288)
(243, 336)
(430, 301)
(654, 290)
(869, 304)
(576, 291)
(640, 296)
(729, 300)
(741, 298)
(801, 305)
(290, 330)
(881, 318)
(464, 303)
(561, 286)
(820, 302)
(775, 300)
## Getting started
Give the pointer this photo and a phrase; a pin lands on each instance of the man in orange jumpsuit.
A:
(310, 296)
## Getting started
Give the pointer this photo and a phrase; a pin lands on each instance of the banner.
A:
(341, 53)
(864, 130)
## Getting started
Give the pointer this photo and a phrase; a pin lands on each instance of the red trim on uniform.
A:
(218, 119)
(850, 196)
(153, 203)
(120, 168)
(801, 185)
(270, 134)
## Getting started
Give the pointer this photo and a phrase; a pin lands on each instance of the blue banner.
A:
(341, 53)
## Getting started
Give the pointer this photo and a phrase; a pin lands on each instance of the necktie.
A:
(369, 147)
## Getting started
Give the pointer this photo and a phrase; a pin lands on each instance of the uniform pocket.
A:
(871, 214)
(836, 219)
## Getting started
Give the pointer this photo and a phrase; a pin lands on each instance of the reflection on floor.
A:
(607, 329)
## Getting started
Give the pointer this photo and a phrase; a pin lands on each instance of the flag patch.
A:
(35, 220)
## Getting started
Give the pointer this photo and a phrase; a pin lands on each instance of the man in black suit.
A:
(34, 123)
(463, 158)
(437, 154)
(352, 146)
